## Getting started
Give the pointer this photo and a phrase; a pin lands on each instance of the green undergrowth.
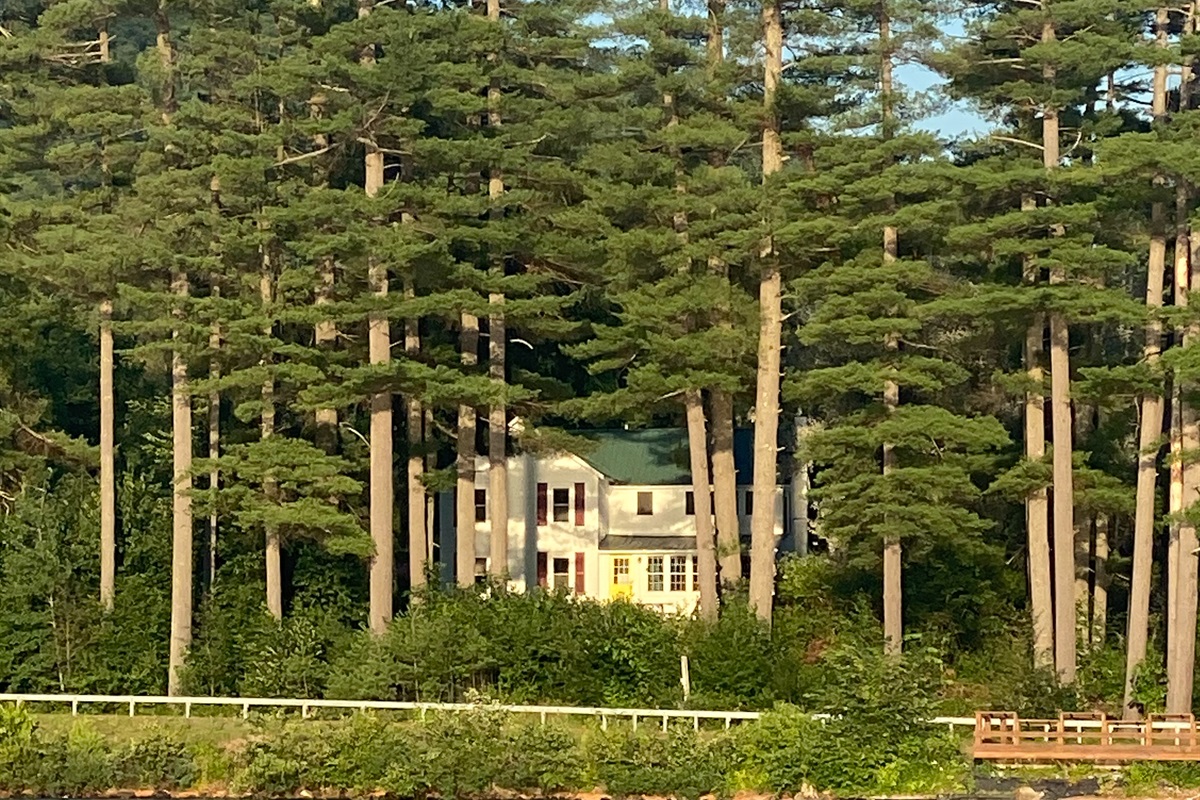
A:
(474, 753)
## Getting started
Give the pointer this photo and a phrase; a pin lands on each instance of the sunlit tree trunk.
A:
(1150, 428)
(108, 484)
(770, 340)
(274, 559)
(1060, 423)
(379, 352)
(468, 342)
(497, 353)
(724, 472)
(108, 468)
(181, 418)
(1185, 479)
(418, 552)
(893, 604)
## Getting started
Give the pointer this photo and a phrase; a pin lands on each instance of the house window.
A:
(645, 504)
(695, 573)
(689, 504)
(678, 573)
(562, 573)
(481, 505)
(749, 502)
(620, 571)
(654, 574)
(480, 570)
(562, 505)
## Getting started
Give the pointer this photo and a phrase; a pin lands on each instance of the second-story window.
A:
(645, 503)
(748, 503)
(481, 505)
(562, 505)
(689, 504)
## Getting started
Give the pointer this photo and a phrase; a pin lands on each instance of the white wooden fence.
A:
(245, 704)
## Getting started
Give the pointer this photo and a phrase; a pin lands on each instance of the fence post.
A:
(132, 704)
(74, 708)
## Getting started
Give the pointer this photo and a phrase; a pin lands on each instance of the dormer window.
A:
(645, 502)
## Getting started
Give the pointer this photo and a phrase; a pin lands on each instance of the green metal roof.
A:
(655, 456)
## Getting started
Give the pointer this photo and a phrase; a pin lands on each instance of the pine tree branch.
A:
(1013, 140)
(304, 156)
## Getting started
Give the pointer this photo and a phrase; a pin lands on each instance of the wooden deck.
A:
(1003, 736)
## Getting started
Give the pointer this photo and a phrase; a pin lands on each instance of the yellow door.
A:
(621, 587)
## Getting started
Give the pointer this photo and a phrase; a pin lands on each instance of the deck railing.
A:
(1001, 735)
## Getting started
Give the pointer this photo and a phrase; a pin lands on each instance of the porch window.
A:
(620, 571)
(654, 574)
(678, 573)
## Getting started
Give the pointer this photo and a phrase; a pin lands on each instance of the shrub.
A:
(159, 762)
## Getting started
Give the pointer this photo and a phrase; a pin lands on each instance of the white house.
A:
(615, 521)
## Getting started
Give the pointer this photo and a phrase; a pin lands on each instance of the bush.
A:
(161, 762)
(679, 762)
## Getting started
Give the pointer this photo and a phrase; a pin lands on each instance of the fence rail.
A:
(306, 706)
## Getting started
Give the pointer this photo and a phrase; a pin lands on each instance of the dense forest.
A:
(275, 272)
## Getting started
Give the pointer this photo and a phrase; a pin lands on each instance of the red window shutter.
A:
(580, 504)
(579, 573)
(543, 566)
(543, 507)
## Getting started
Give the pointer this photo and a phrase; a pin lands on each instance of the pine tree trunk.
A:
(1037, 507)
(418, 552)
(181, 418)
(497, 355)
(724, 473)
(108, 484)
(1174, 506)
(498, 441)
(270, 487)
(326, 336)
(379, 352)
(1037, 504)
(465, 491)
(325, 331)
(181, 505)
(893, 603)
(693, 403)
(1060, 423)
(706, 557)
(108, 468)
(214, 430)
(770, 342)
(1181, 661)
(1084, 535)
(1150, 430)
(715, 45)
(1100, 552)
